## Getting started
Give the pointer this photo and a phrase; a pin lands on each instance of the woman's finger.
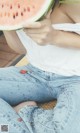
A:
(45, 22)
(38, 31)
(39, 41)
(33, 25)
(39, 24)
(40, 36)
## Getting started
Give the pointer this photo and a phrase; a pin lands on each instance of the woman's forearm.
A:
(14, 42)
(67, 39)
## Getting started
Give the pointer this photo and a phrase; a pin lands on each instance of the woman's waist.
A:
(63, 67)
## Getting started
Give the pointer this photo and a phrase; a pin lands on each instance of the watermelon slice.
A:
(16, 13)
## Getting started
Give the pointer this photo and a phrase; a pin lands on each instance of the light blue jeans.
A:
(39, 86)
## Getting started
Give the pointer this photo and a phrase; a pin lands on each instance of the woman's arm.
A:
(43, 33)
(14, 42)
(72, 11)
(67, 39)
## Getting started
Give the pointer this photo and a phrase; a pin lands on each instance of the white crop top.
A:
(51, 58)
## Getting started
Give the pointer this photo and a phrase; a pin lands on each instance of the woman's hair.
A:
(55, 3)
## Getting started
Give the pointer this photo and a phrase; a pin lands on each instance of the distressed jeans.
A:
(27, 83)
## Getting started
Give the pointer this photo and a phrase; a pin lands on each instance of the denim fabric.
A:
(39, 86)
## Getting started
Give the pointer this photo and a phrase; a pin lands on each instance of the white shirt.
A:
(51, 58)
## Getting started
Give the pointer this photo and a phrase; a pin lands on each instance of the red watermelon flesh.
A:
(16, 13)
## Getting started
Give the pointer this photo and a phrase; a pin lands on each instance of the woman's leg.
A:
(64, 118)
(21, 105)
(16, 87)
(10, 120)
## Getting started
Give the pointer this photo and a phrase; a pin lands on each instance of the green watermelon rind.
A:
(37, 18)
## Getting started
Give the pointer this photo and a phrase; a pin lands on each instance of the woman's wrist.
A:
(55, 37)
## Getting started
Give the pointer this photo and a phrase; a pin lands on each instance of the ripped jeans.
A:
(27, 83)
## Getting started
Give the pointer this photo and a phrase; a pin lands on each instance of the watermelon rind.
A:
(49, 8)
(40, 15)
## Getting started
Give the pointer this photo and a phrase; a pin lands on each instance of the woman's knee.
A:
(21, 105)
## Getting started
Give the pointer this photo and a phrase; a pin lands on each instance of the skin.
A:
(43, 33)
(21, 105)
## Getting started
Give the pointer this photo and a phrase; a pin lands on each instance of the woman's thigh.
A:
(17, 86)
(64, 118)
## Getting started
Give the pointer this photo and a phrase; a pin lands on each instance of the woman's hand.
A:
(41, 32)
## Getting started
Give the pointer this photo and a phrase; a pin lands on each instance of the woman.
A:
(53, 73)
